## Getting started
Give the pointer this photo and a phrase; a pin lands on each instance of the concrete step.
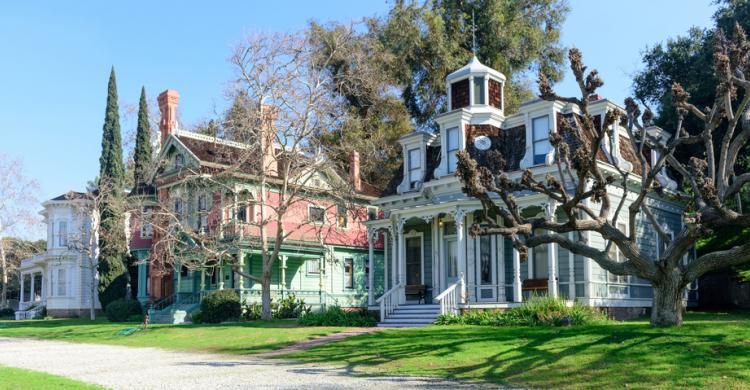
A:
(400, 325)
(413, 315)
(425, 321)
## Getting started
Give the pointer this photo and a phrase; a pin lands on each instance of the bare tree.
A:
(581, 182)
(286, 103)
(17, 199)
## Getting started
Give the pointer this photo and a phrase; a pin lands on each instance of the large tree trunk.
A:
(666, 309)
(265, 295)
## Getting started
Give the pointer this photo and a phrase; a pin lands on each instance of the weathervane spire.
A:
(473, 35)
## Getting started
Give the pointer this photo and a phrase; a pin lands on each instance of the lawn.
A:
(20, 379)
(239, 338)
(709, 351)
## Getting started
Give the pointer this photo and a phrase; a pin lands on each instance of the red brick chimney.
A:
(168, 101)
(354, 177)
(269, 114)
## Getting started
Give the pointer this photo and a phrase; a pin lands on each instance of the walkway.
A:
(150, 368)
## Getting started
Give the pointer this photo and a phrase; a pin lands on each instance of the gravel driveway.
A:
(150, 368)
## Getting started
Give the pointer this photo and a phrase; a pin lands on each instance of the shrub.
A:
(122, 309)
(291, 307)
(196, 317)
(136, 318)
(335, 316)
(7, 312)
(537, 311)
(252, 311)
(220, 306)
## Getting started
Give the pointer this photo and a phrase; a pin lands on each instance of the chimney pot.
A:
(354, 175)
(168, 101)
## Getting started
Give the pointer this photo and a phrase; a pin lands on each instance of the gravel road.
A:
(150, 368)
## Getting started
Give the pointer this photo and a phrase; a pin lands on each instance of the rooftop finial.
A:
(473, 35)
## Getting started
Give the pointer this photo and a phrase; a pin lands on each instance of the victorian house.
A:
(429, 256)
(324, 259)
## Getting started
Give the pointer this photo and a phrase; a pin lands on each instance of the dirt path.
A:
(150, 368)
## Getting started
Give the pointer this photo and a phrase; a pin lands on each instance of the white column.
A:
(221, 275)
(461, 242)
(31, 292)
(500, 250)
(371, 234)
(283, 260)
(241, 279)
(401, 257)
(516, 276)
(552, 262)
(394, 258)
(23, 283)
(435, 257)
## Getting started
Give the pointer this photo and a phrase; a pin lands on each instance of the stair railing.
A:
(452, 296)
(389, 301)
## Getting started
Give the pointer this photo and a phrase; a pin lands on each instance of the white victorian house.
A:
(60, 278)
(428, 256)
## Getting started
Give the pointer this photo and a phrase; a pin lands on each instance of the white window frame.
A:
(62, 234)
(61, 284)
(451, 150)
(202, 220)
(341, 210)
(349, 279)
(414, 167)
(315, 270)
(620, 280)
(309, 214)
(535, 141)
(420, 235)
(147, 229)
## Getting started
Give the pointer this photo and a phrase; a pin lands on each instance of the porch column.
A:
(222, 214)
(203, 279)
(321, 262)
(221, 274)
(516, 276)
(571, 274)
(179, 278)
(31, 292)
(371, 235)
(394, 257)
(436, 289)
(241, 279)
(549, 209)
(461, 242)
(23, 278)
(401, 257)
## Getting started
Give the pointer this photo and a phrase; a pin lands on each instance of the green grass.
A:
(239, 338)
(709, 351)
(20, 379)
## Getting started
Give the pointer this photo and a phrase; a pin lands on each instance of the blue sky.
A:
(57, 55)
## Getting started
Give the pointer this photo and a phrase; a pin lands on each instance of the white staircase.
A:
(411, 315)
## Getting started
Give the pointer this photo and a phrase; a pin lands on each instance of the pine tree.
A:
(143, 152)
(112, 239)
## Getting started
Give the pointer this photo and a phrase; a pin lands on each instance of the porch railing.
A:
(452, 296)
(389, 300)
(30, 313)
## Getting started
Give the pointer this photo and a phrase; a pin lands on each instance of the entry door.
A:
(413, 261)
(451, 260)
(486, 274)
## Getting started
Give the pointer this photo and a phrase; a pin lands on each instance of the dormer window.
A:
(451, 146)
(179, 161)
(62, 234)
(541, 146)
(478, 90)
(415, 168)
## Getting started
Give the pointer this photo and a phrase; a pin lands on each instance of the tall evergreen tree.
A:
(112, 239)
(143, 151)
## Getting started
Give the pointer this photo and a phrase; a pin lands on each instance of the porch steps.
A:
(411, 315)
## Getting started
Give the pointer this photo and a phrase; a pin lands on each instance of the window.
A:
(413, 260)
(451, 145)
(245, 208)
(372, 213)
(178, 209)
(62, 283)
(617, 283)
(415, 168)
(348, 273)
(179, 161)
(478, 90)
(183, 271)
(540, 142)
(341, 217)
(27, 288)
(147, 230)
(541, 261)
(312, 266)
(485, 261)
(62, 234)
(202, 222)
(316, 214)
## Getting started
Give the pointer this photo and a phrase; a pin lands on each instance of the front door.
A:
(451, 261)
(413, 261)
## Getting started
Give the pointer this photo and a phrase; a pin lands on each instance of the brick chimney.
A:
(269, 114)
(354, 177)
(168, 101)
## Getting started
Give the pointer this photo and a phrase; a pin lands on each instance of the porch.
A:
(431, 258)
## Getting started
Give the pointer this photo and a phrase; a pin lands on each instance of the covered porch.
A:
(431, 258)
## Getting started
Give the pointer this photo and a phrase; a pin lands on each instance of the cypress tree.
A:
(112, 240)
(143, 152)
